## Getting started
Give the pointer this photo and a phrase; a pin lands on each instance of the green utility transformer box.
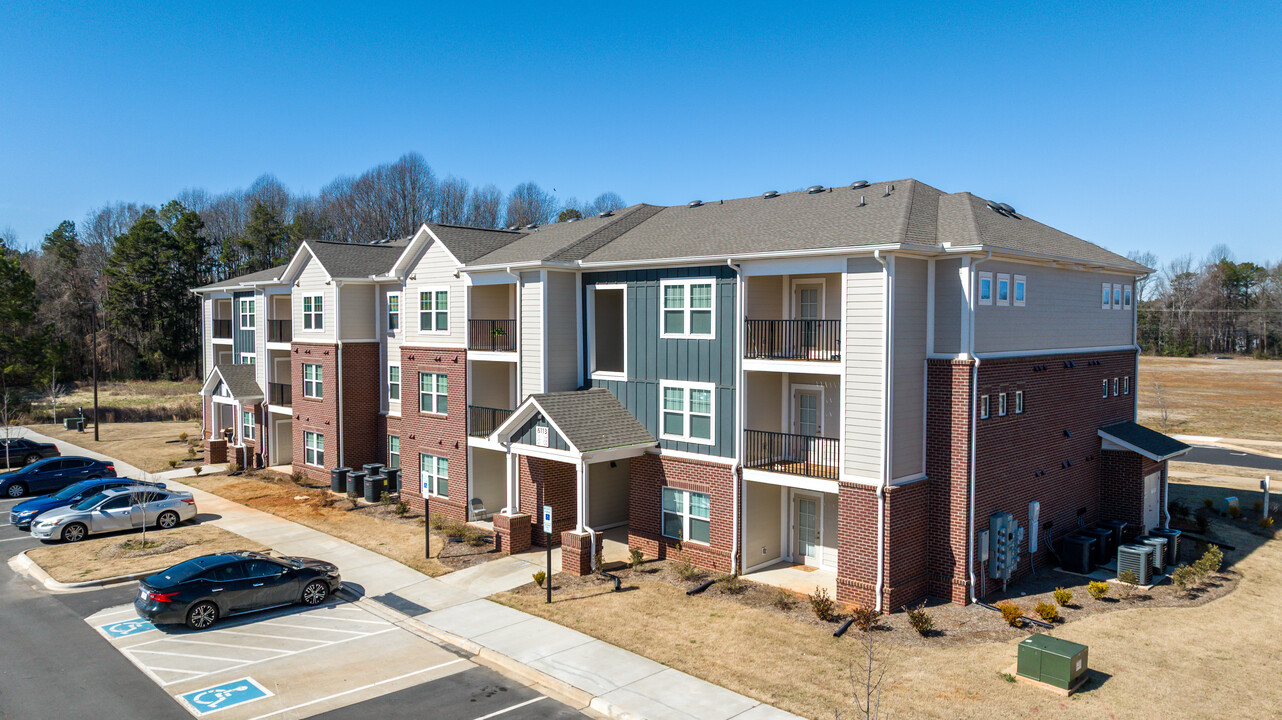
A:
(1056, 662)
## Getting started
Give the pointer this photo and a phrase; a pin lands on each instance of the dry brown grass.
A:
(100, 557)
(373, 528)
(130, 401)
(1240, 398)
(147, 445)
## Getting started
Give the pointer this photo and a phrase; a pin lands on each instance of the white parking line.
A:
(311, 627)
(193, 656)
(284, 655)
(13, 539)
(176, 670)
(264, 635)
(343, 619)
(364, 687)
(217, 644)
(514, 707)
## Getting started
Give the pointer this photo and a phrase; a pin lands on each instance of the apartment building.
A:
(848, 379)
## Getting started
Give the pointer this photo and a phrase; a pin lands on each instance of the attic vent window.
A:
(769, 194)
(859, 185)
(694, 203)
(815, 189)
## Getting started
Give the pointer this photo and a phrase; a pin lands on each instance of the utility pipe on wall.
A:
(338, 337)
(886, 471)
(741, 385)
(974, 421)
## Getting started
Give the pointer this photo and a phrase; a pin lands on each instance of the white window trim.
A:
(1105, 387)
(1126, 385)
(1019, 402)
(603, 374)
(246, 428)
(302, 305)
(435, 478)
(397, 438)
(319, 381)
(1001, 404)
(685, 515)
(250, 356)
(686, 387)
(1114, 387)
(1117, 296)
(432, 392)
(242, 313)
(1002, 278)
(400, 382)
(687, 282)
(1019, 286)
(432, 290)
(794, 310)
(400, 315)
(313, 448)
(1107, 298)
(979, 289)
(1126, 297)
(983, 407)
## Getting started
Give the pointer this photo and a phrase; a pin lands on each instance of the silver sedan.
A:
(117, 509)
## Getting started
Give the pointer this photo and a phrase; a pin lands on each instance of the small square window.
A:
(1003, 289)
(985, 288)
(1117, 297)
(983, 407)
(313, 312)
(1126, 297)
(1019, 402)
(1107, 300)
(313, 384)
(1001, 405)
(1021, 284)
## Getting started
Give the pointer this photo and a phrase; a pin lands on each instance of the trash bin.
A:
(1118, 527)
(373, 468)
(393, 476)
(68, 423)
(1172, 544)
(80, 424)
(1102, 544)
(1077, 553)
(1051, 660)
(356, 482)
(374, 485)
(338, 479)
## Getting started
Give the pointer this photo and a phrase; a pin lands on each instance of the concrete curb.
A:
(24, 565)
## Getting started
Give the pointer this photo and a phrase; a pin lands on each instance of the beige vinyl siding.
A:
(562, 326)
(434, 271)
(831, 385)
(207, 334)
(1062, 310)
(311, 281)
(762, 395)
(772, 297)
(828, 532)
(260, 338)
(491, 384)
(762, 523)
(530, 328)
(356, 305)
(909, 367)
(865, 299)
(763, 296)
(608, 493)
(488, 477)
(949, 299)
(492, 302)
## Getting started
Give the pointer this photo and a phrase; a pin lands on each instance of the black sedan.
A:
(53, 474)
(199, 591)
(16, 452)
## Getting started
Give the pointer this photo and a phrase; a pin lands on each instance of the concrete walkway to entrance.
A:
(605, 678)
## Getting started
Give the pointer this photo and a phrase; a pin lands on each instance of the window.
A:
(687, 308)
(313, 312)
(1126, 297)
(1001, 405)
(687, 411)
(246, 358)
(608, 325)
(1114, 387)
(1105, 387)
(983, 407)
(685, 515)
(1126, 385)
(227, 573)
(393, 312)
(985, 288)
(434, 473)
(1107, 301)
(313, 448)
(432, 392)
(1021, 283)
(1117, 297)
(393, 451)
(246, 314)
(434, 311)
(1003, 289)
(246, 425)
(312, 381)
(1019, 402)
(394, 383)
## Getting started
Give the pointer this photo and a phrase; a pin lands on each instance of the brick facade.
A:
(576, 552)
(548, 482)
(948, 422)
(512, 533)
(1122, 476)
(318, 415)
(429, 433)
(648, 474)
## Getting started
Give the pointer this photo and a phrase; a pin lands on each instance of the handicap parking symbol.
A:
(125, 628)
(224, 695)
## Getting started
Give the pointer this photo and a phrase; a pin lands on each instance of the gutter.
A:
(886, 471)
(974, 423)
(338, 337)
(737, 470)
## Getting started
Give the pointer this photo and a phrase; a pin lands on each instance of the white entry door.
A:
(806, 536)
(808, 422)
(806, 308)
(1153, 500)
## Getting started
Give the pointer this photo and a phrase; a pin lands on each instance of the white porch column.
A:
(581, 478)
(511, 478)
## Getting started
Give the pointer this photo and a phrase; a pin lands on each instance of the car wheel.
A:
(202, 615)
(30, 459)
(315, 593)
(167, 519)
(75, 532)
(16, 490)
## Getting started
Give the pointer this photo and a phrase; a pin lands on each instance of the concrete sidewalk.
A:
(605, 678)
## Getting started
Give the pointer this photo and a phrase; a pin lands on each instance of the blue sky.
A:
(1147, 126)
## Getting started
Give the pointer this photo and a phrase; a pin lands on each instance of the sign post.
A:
(547, 540)
(1264, 485)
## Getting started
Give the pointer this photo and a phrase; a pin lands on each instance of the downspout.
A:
(338, 336)
(885, 437)
(974, 422)
(737, 471)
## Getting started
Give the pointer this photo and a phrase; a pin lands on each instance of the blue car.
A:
(52, 474)
(22, 514)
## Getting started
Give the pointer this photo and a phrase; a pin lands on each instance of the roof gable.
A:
(586, 420)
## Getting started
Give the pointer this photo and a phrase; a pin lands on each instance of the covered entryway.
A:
(234, 397)
(1133, 475)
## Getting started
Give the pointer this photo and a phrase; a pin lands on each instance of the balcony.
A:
(491, 335)
(482, 421)
(222, 329)
(792, 340)
(280, 331)
(812, 457)
(280, 394)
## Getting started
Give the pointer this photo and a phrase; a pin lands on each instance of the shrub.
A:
(730, 584)
(920, 619)
(1179, 509)
(436, 521)
(298, 477)
(1128, 580)
(1203, 522)
(1208, 503)
(598, 562)
(864, 618)
(686, 571)
(1063, 596)
(1235, 512)
(1047, 611)
(824, 607)
(191, 451)
(474, 536)
(1210, 561)
(453, 529)
(783, 599)
(173, 463)
(233, 467)
(1266, 522)
(401, 508)
(635, 558)
(1097, 588)
(1011, 613)
(1184, 577)
(539, 577)
(182, 437)
(197, 469)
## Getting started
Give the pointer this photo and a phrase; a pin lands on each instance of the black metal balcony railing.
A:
(281, 331)
(222, 329)
(792, 339)
(280, 394)
(492, 335)
(481, 421)
(815, 457)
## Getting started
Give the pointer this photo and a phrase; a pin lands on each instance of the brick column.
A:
(215, 452)
(576, 552)
(511, 533)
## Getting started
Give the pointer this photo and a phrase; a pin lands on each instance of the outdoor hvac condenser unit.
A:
(1138, 559)
(1159, 552)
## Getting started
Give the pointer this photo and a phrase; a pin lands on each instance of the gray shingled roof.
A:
(545, 241)
(241, 380)
(261, 275)
(356, 260)
(1150, 443)
(593, 419)
(469, 243)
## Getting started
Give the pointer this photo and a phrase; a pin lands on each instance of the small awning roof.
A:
(1139, 439)
(590, 421)
(240, 380)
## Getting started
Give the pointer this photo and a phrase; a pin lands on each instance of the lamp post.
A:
(93, 319)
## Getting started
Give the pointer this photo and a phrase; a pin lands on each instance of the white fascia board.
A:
(566, 456)
(207, 387)
(1052, 351)
(1006, 253)
(487, 277)
(791, 481)
(809, 367)
(503, 432)
(1109, 439)
(794, 266)
(618, 453)
(421, 237)
(522, 265)
(720, 259)
(295, 266)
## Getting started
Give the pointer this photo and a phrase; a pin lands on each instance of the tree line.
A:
(126, 269)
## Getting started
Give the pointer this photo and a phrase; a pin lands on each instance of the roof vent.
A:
(513, 227)
(1009, 210)
(889, 189)
(574, 219)
(694, 203)
(605, 213)
(863, 200)
(531, 226)
(769, 194)
(815, 189)
(859, 185)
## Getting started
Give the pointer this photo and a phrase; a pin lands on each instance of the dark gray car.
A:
(16, 452)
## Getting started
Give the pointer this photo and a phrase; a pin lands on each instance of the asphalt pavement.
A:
(1236, 458)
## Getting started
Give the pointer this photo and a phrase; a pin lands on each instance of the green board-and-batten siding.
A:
(651, 358)
(242, 341)
(525, 435)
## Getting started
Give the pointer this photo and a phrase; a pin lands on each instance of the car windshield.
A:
(71, 491)
(183, 571)
(90, 501)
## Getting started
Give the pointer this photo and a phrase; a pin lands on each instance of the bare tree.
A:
(8, 421)
(452, 201)
(53, 392)
(868, 665)
(530, 204)
(1162, 412)
(606, 201)
(483, 207)
(1143, 282)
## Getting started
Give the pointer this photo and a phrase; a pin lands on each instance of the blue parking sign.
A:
(224, 695)
(125, 628)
